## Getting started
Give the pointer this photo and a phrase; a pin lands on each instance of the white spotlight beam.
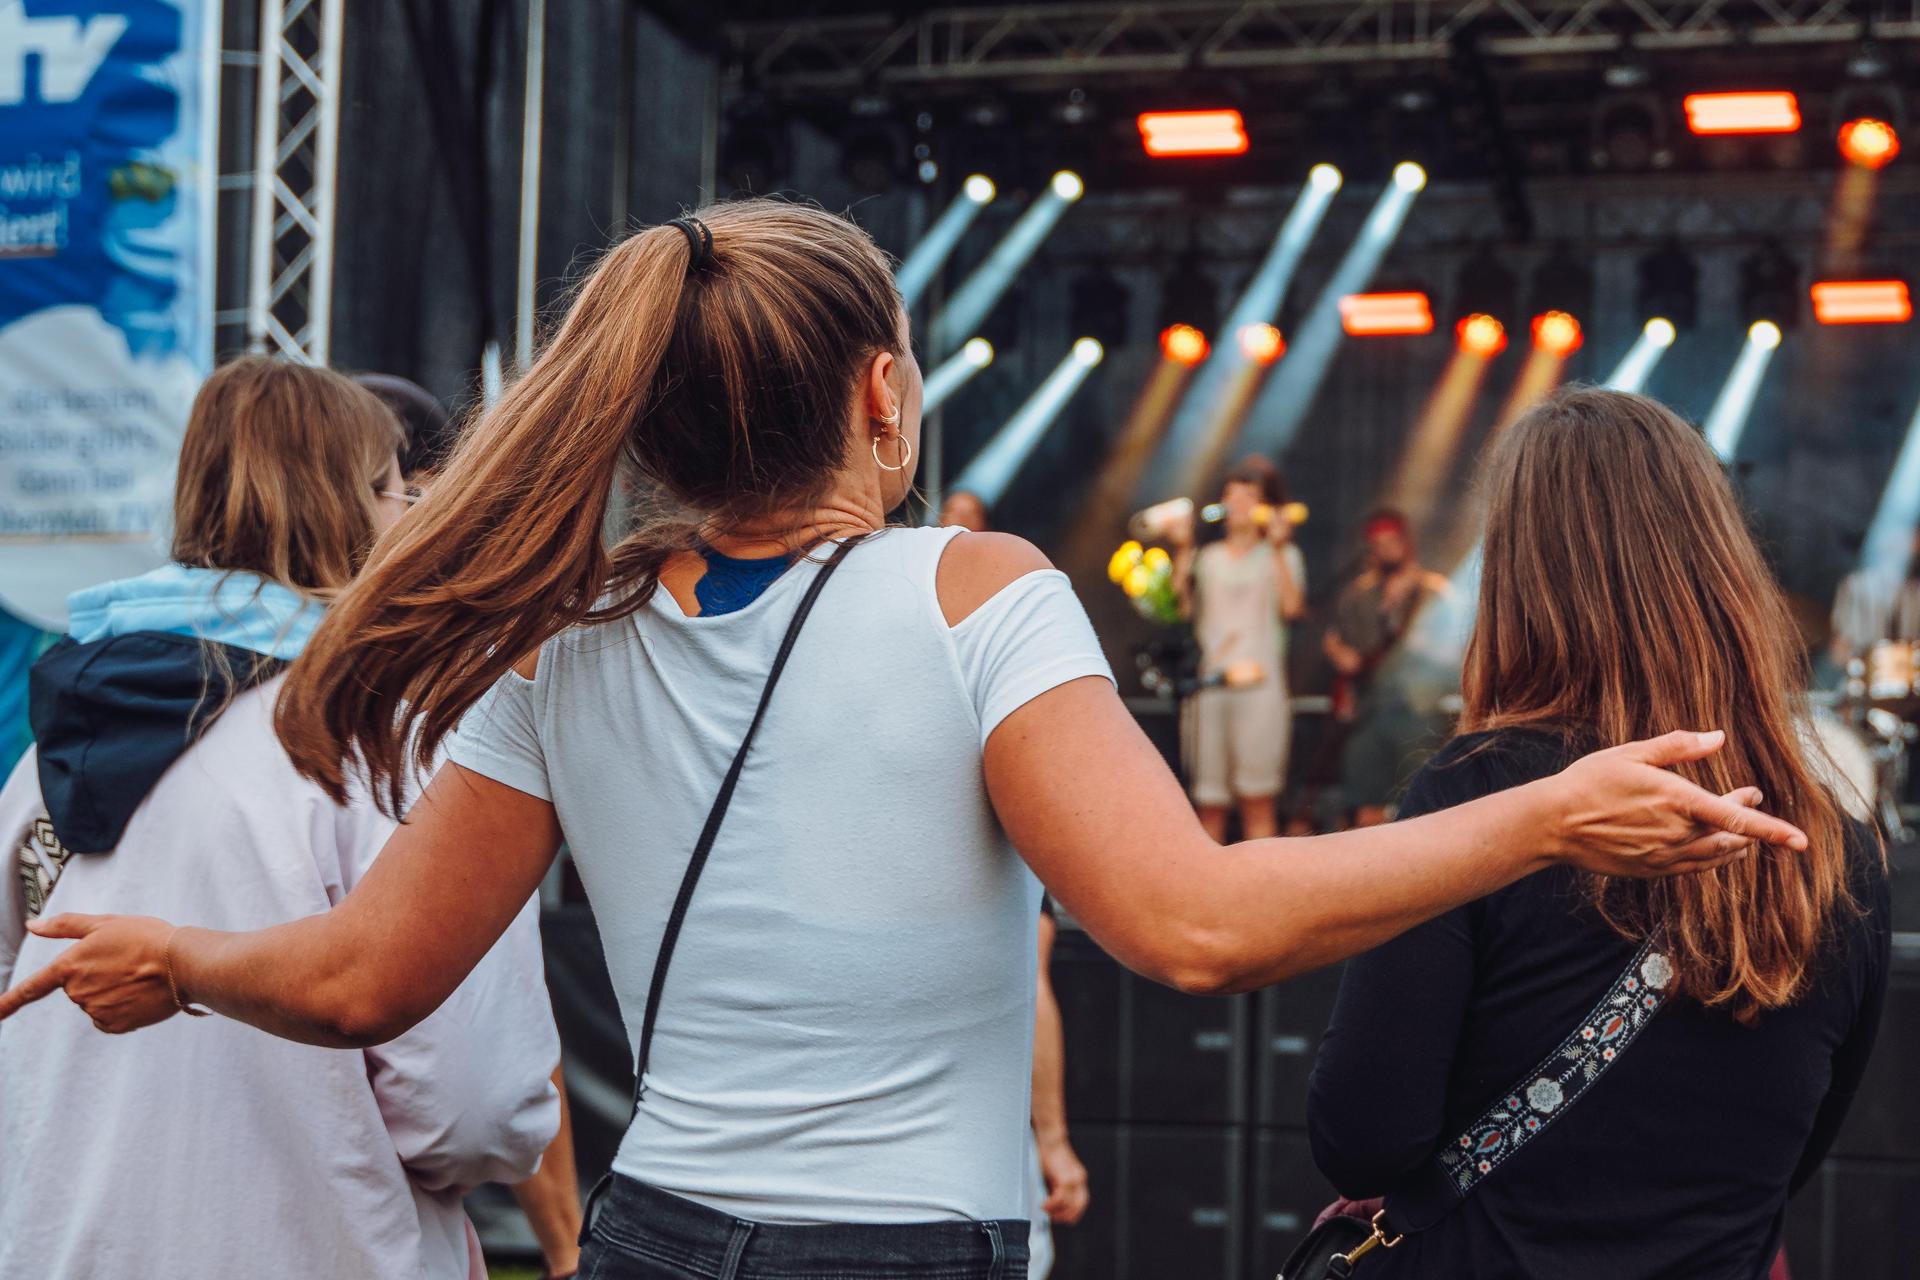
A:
(1728, 417)
(1288, 395)
(1258, 304)
(1890, 536)
(954, 372)
(1636, 366)
(926, 258)
(995, 466)
(976, 296)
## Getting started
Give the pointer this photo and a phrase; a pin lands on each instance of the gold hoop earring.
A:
(906, 453)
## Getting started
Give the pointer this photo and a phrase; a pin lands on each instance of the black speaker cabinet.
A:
(1853, 1221)
(1288, 1194)
(1142, 1052)
(1167, 1201)
(1884, 1121)
(1292, 1018)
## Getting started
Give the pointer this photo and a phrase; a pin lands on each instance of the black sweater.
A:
(1676, 1164)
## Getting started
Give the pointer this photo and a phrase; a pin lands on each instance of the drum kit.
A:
(1869, 729)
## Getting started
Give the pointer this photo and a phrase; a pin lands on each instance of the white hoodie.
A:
(203, 1147)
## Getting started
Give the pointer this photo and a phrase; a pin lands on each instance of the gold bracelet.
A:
(172, 987)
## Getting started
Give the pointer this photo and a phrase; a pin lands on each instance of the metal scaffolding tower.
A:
(296, 144)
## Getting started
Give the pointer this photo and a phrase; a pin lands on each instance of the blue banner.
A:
(107, 163)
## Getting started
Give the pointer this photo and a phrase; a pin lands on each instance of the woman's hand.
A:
(116, 972)
(1066, 1180)
(1623, 812)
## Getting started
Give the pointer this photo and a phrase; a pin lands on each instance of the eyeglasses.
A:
(409, 495)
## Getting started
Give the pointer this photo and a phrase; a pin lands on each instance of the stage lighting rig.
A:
(1669, 286)
(1869, 143)
(1881, 301)
(1867, 121)
(1764, 111)
(1184, 344)
(1770, 286)
(1486, 286)
(1261, 343)
(1479, 121)
(1557, 333)
(1630, 134)
(1563, 282)
(1376, 315)
(1188, 296)
(1217, 132)
(1481, 335)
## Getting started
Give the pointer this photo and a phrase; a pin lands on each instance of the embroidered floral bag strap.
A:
(1518, 1117)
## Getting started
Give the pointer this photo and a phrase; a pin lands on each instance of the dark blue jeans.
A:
(639, 1232)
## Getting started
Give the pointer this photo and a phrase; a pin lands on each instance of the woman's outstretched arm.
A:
(448, 883)
(1101, 820)
(1094, 810)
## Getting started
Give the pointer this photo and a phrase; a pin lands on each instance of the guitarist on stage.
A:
(1387, 685)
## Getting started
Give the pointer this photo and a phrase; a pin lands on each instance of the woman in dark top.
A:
(1620, 594)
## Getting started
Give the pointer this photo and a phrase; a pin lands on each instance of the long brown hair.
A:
(1621, 596)
(728, 386)
(279, 472)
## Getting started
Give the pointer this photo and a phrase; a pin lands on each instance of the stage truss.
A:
(296, 146)
(1084, 42)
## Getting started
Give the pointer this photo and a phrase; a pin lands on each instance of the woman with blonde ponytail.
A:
(833, 1070)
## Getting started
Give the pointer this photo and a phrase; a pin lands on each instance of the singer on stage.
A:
(1240, 592)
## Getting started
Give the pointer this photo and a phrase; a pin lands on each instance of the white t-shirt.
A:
(204, 1147)
(1237, 615)
(846, 1029)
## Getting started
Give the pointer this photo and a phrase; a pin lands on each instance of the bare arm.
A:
(1060, 1166)
(1096, 813)
(551, 1197)
(1183, 579)
(442, 891)
(1345, 658)
(1085, 797)
(1292, 596)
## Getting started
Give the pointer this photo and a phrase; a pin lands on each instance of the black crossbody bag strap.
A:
(1537, 1099)
(704, 846)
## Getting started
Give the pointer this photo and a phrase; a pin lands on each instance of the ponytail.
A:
(728, 388)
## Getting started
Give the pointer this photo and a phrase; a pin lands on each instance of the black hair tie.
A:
(699, 241)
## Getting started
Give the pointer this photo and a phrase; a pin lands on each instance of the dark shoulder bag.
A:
(1335, 1248)
(704, 846)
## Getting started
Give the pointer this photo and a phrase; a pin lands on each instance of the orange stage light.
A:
(1183, 344)
(1557, 333)
(1869, 143)
(1367, 315)
(1862, 302)
(1481, 335)
(1193, 133)
(1262, 343)
(1768, 112)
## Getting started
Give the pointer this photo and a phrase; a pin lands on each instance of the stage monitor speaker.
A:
(1288, 1194)
(1138, 1051)
(1293, 1016)
(1171, 1203)
(1091, 989)
(1884, 1121)
(1850, 1222)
